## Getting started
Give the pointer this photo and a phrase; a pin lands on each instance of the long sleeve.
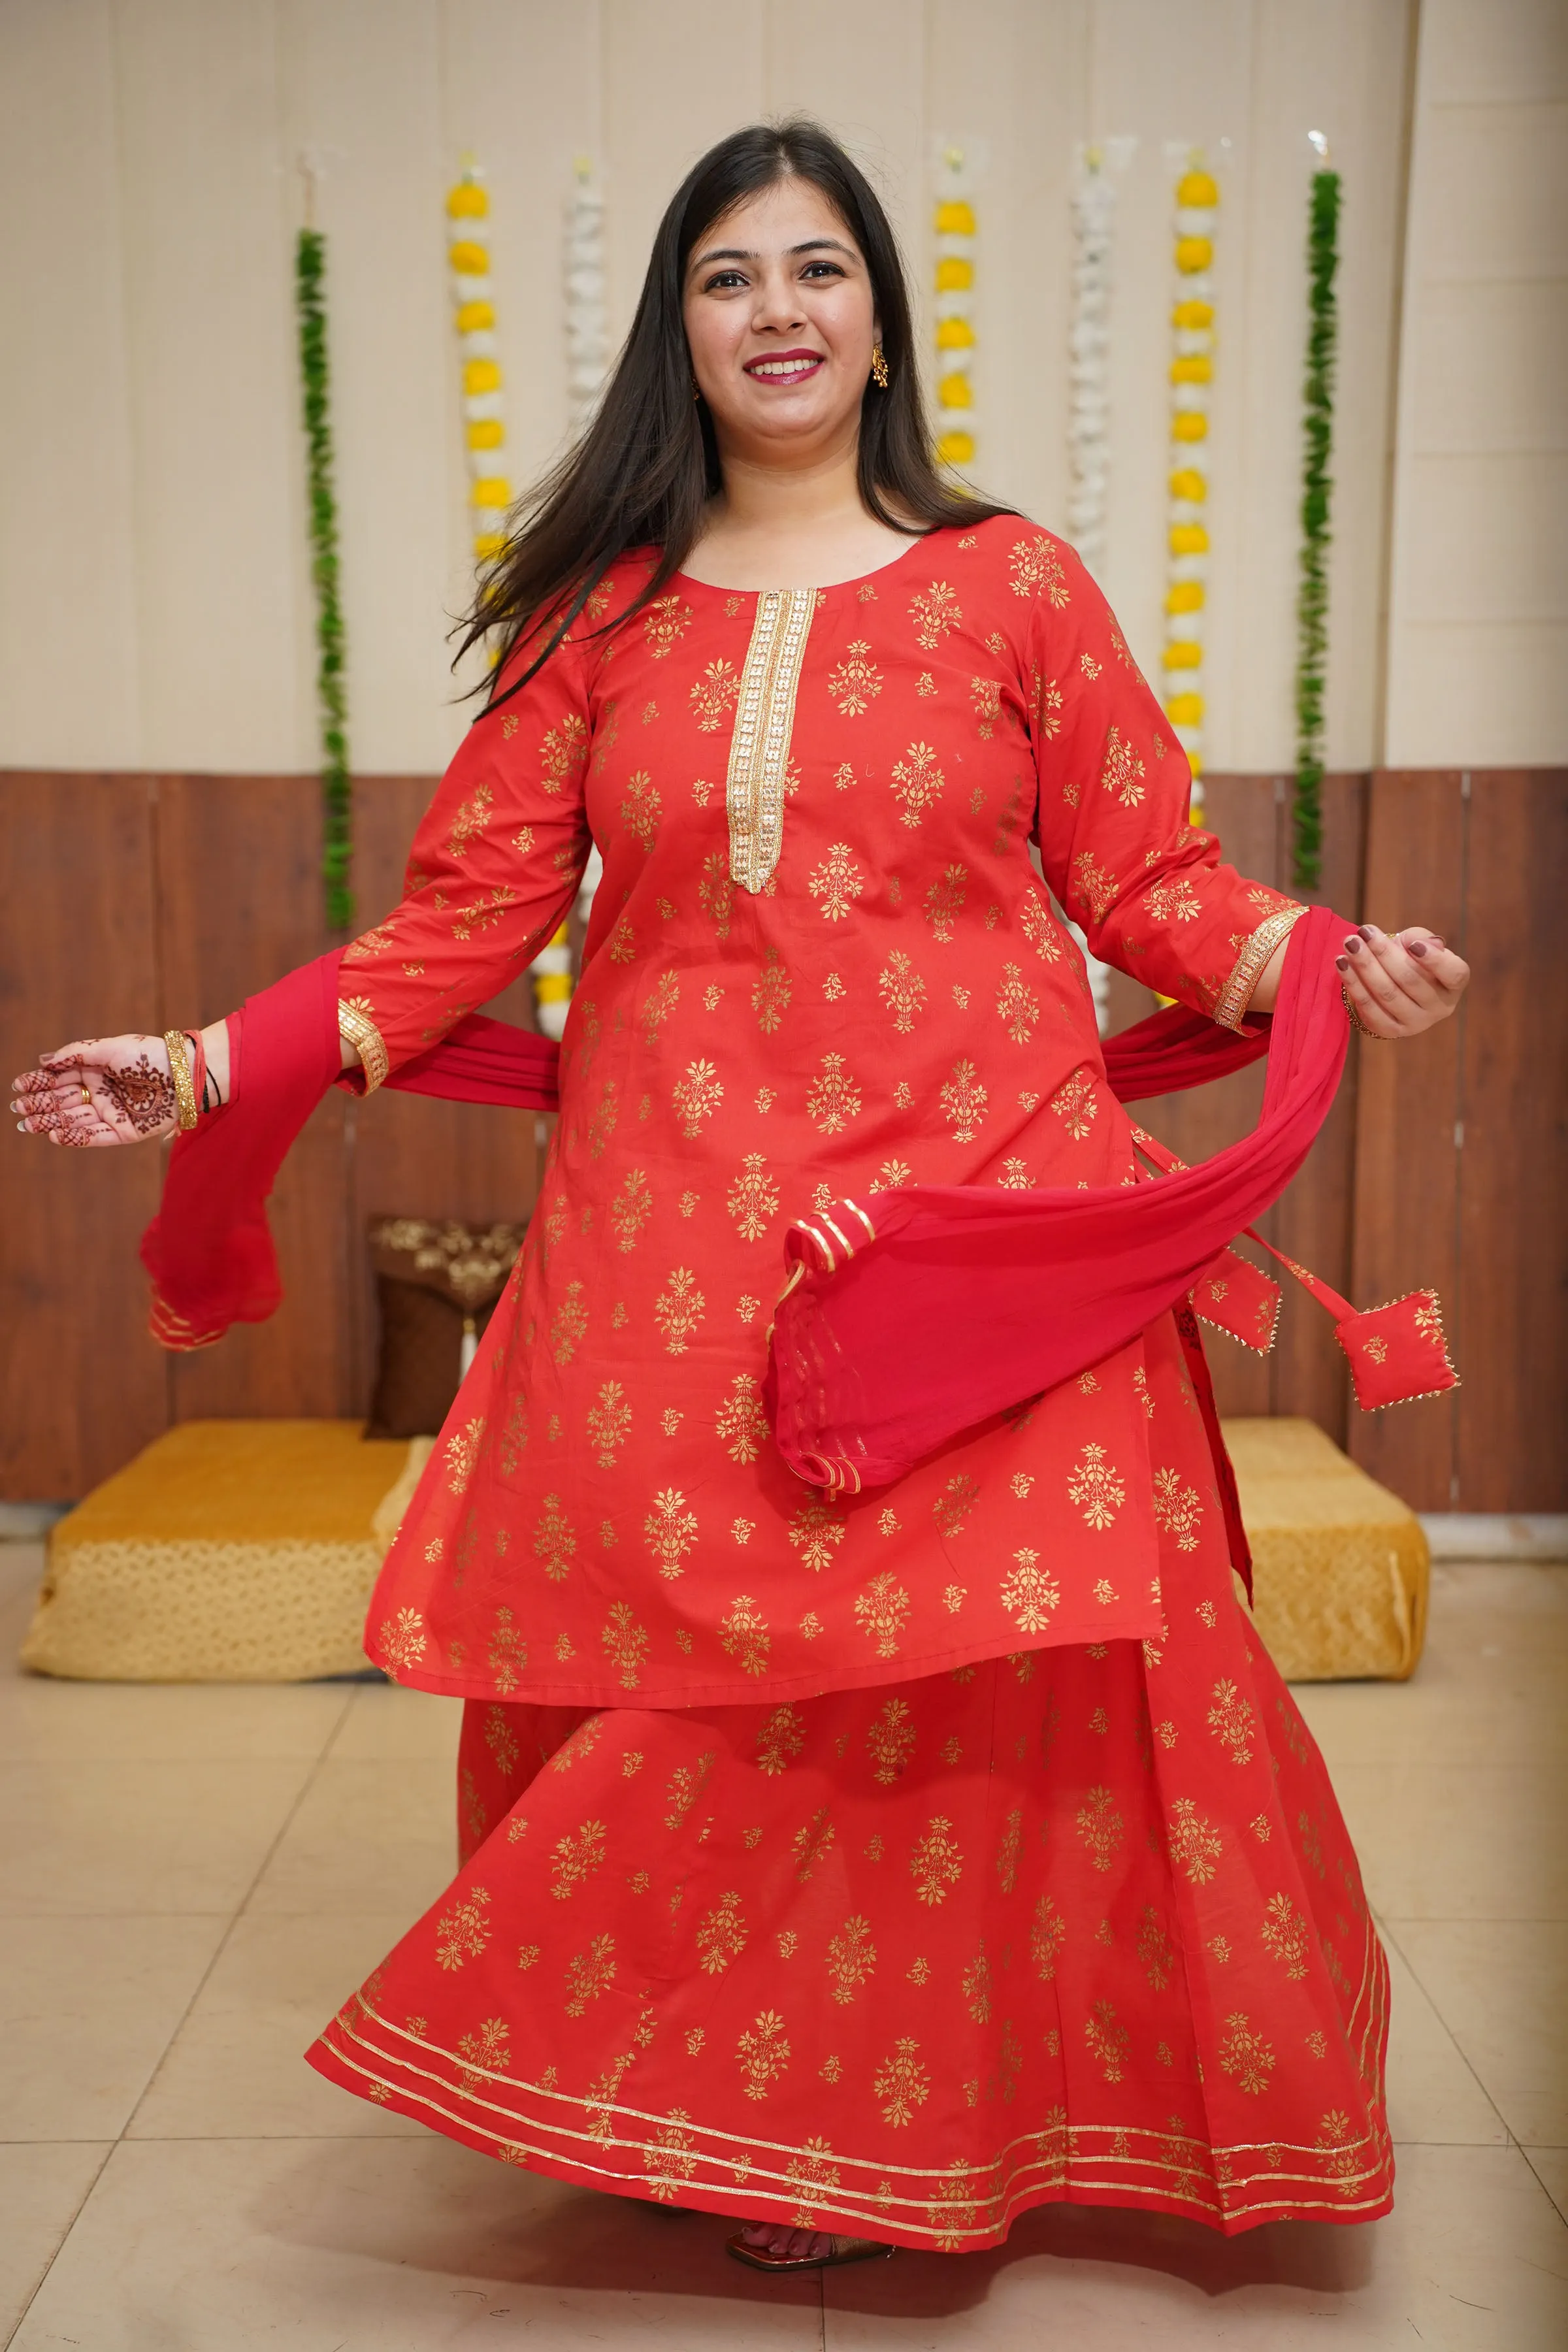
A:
(492, 873)
(1149, 888)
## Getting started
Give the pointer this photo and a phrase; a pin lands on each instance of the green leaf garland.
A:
(337, 831)
(1312, 595)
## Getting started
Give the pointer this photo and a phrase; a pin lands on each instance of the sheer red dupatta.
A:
(209, 1249)
(909, 1316)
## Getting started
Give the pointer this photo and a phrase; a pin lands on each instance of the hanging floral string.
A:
(337, 828)
(1089, 357)
(587, 333)
(1192, 374)
(954, 225)
(484, 416)
(489, 489)
(1312, 595)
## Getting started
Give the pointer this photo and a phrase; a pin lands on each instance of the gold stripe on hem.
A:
(955, 2212)
(1236, 995)
(765, 720)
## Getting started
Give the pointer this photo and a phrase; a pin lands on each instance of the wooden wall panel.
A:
(1511, 1323)
(82, 1387)
(1408, 1107)
(132, 900)
(239, 905)
(1313, 1218)
(1306, 1373)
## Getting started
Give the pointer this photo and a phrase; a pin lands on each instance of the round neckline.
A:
(822, 588)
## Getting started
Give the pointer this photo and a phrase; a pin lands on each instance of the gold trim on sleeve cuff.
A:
(355, 1024)
(1236, 995)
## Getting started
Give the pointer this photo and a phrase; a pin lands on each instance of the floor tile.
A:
(1433, 2093)
(139, 1836)
(392, 2245)
(386, 1721)
(41, 2188)
(87, 2008)
(1550, 2166)
(42, 1718)
(1458, 1841)
(1499, 1986)
(1474, 2258)
(372, 1834)
(236, 2070)
(1488, 1691)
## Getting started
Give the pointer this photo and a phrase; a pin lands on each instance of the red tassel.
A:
(1239, 1297)
(1397, 1352)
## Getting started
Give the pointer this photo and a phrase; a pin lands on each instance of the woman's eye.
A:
(723, 280)
(823, 269)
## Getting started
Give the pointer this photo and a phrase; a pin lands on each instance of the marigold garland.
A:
(1192, 373)
(954, 225)
(490, 487)
(1317, 486)
(337, 828)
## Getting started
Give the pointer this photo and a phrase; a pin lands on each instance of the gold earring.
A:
(879, 367)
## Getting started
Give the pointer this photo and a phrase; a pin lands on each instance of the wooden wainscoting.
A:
(136, 900)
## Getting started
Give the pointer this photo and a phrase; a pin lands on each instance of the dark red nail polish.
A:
(1353, 947)
(1365, 930)
(1417, 947)
(1342, 964)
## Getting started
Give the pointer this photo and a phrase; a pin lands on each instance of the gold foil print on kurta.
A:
(759, 749)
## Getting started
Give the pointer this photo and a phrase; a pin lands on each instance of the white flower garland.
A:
(587, 325)
(1089, 357)
(1192, 374)
(955, 236)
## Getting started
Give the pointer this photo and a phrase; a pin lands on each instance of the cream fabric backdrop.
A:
(154, 608)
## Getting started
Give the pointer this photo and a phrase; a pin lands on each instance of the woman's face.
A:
(781, 324)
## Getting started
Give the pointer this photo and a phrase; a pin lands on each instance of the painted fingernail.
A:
(1365, 930)
(1417, 947)
(1353, 947)
(1342, 964)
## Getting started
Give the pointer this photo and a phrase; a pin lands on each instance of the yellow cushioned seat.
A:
(227, 1551)
(1341, 1569)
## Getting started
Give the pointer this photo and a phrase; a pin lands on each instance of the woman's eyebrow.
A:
(739, 253)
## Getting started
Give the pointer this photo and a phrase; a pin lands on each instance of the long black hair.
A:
(644, 471)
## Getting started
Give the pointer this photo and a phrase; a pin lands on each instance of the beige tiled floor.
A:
(190, 1880)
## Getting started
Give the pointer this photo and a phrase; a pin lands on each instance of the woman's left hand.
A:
(1399, 984)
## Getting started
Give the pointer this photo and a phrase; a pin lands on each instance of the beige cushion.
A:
(1339, 1566)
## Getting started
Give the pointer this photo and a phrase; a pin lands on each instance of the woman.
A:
(814, 1869)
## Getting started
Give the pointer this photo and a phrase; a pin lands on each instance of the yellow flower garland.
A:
(484, 420)
(1191, 375)
(954, 225)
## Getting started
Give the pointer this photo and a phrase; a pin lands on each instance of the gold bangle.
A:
(179, 1071)
(355, 1024)
(1357, 1022)
(1236, 996)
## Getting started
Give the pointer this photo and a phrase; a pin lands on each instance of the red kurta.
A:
(821, 962)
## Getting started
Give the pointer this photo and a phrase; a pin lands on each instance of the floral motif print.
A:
(856, 682)
(934, 611)
(837, 883)
(917, 782)
(714, 695)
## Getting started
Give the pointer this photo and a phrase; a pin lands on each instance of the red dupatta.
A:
(912, 1315)
(905, 1318)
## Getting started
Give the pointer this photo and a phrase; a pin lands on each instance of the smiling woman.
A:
(869, 1867)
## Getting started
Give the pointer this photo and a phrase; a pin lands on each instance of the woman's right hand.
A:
(97, 1091)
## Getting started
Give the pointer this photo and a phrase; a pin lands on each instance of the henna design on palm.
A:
(142, 1096)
